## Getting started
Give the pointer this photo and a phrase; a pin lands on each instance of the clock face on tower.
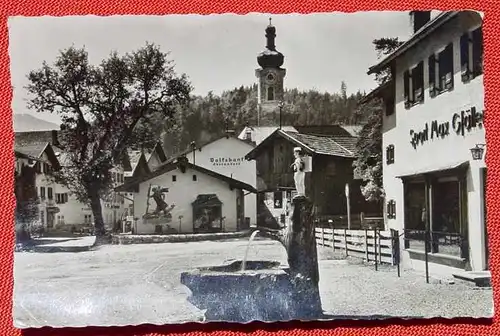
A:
(271, 78)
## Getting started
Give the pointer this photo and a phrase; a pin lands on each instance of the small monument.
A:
(299, 172)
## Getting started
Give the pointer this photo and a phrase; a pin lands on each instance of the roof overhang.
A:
(379, 92)
(425, 31)
(433, 170)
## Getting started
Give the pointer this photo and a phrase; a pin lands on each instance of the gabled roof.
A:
(26, 156)
(178, 164)
(158, 149)
(36, 150)
(423, 32)
(342, 146)
(379, 91)
(260, 133)
(137, 162)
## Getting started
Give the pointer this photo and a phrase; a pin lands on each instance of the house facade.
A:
(58, 209)
(433, 122)
(226, 156)
(329, 154)
(216, 205)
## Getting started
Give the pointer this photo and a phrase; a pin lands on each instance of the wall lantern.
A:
(477, 152)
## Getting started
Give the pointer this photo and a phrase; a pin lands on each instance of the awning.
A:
(434, 169)
(206, 200)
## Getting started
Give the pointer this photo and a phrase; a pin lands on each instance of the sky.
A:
(216, 52)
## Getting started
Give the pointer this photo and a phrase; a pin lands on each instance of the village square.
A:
(146, 202)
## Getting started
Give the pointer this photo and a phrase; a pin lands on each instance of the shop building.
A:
(434, 171)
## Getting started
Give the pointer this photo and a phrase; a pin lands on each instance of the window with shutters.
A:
(441, 71)
(414, 85)
(471, 54)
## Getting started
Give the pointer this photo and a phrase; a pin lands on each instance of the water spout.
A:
(244, 263)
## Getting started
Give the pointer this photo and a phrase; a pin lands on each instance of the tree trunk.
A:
(300, 243)
(99, 230)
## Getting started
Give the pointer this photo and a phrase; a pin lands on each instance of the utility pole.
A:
(281, 105)
(193, 148)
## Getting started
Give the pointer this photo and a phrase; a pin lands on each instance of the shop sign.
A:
(227, 161)
(460, 124)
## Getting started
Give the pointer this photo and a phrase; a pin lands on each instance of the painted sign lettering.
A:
(227, 161)
(461, 123)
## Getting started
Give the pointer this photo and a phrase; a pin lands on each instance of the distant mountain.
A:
(28, 123)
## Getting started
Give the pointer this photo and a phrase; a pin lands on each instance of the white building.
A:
(59, 210)
(226, 156)
(433, 117)
(204, 200)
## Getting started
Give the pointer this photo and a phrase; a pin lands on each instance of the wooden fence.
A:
(365, 244)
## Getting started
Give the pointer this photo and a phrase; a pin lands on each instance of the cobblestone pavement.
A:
(135, 284)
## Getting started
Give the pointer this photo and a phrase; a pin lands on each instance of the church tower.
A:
(270, 77)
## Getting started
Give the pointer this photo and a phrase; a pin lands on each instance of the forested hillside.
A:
(207, 117)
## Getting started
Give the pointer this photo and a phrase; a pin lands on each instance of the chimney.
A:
(419, 19)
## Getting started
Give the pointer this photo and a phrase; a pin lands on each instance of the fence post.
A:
(345, 241)
(322, 236)
(366, 246)
(379, 248)
(375, 248)
(333, 237)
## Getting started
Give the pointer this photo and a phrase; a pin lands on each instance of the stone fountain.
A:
(258, 290)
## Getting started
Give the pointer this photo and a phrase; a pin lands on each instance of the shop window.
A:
(414, 85)
(390, 154)
(391, 209)
(471, 54)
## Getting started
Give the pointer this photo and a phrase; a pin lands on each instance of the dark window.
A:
(278, 199)
(389, 105)
(417, 77)
(50, 195)
(195, 178)
(445, 64)
(391, 209)
(477, 51)
(270, 93)
(390, 154)
(174, 178)
(42, 192)
(414, 85)
(471, 54)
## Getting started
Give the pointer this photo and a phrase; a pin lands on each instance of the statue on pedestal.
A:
(300, 174)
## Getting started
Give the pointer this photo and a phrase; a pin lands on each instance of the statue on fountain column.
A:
(299, 172)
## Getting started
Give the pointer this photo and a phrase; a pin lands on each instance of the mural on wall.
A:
(162, 212)
(207, 213)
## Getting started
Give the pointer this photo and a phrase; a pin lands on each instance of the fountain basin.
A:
(263, 292)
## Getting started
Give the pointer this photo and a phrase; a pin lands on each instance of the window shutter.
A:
(406, 78)
(477, 51)
(464, 57)
(432, 75)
